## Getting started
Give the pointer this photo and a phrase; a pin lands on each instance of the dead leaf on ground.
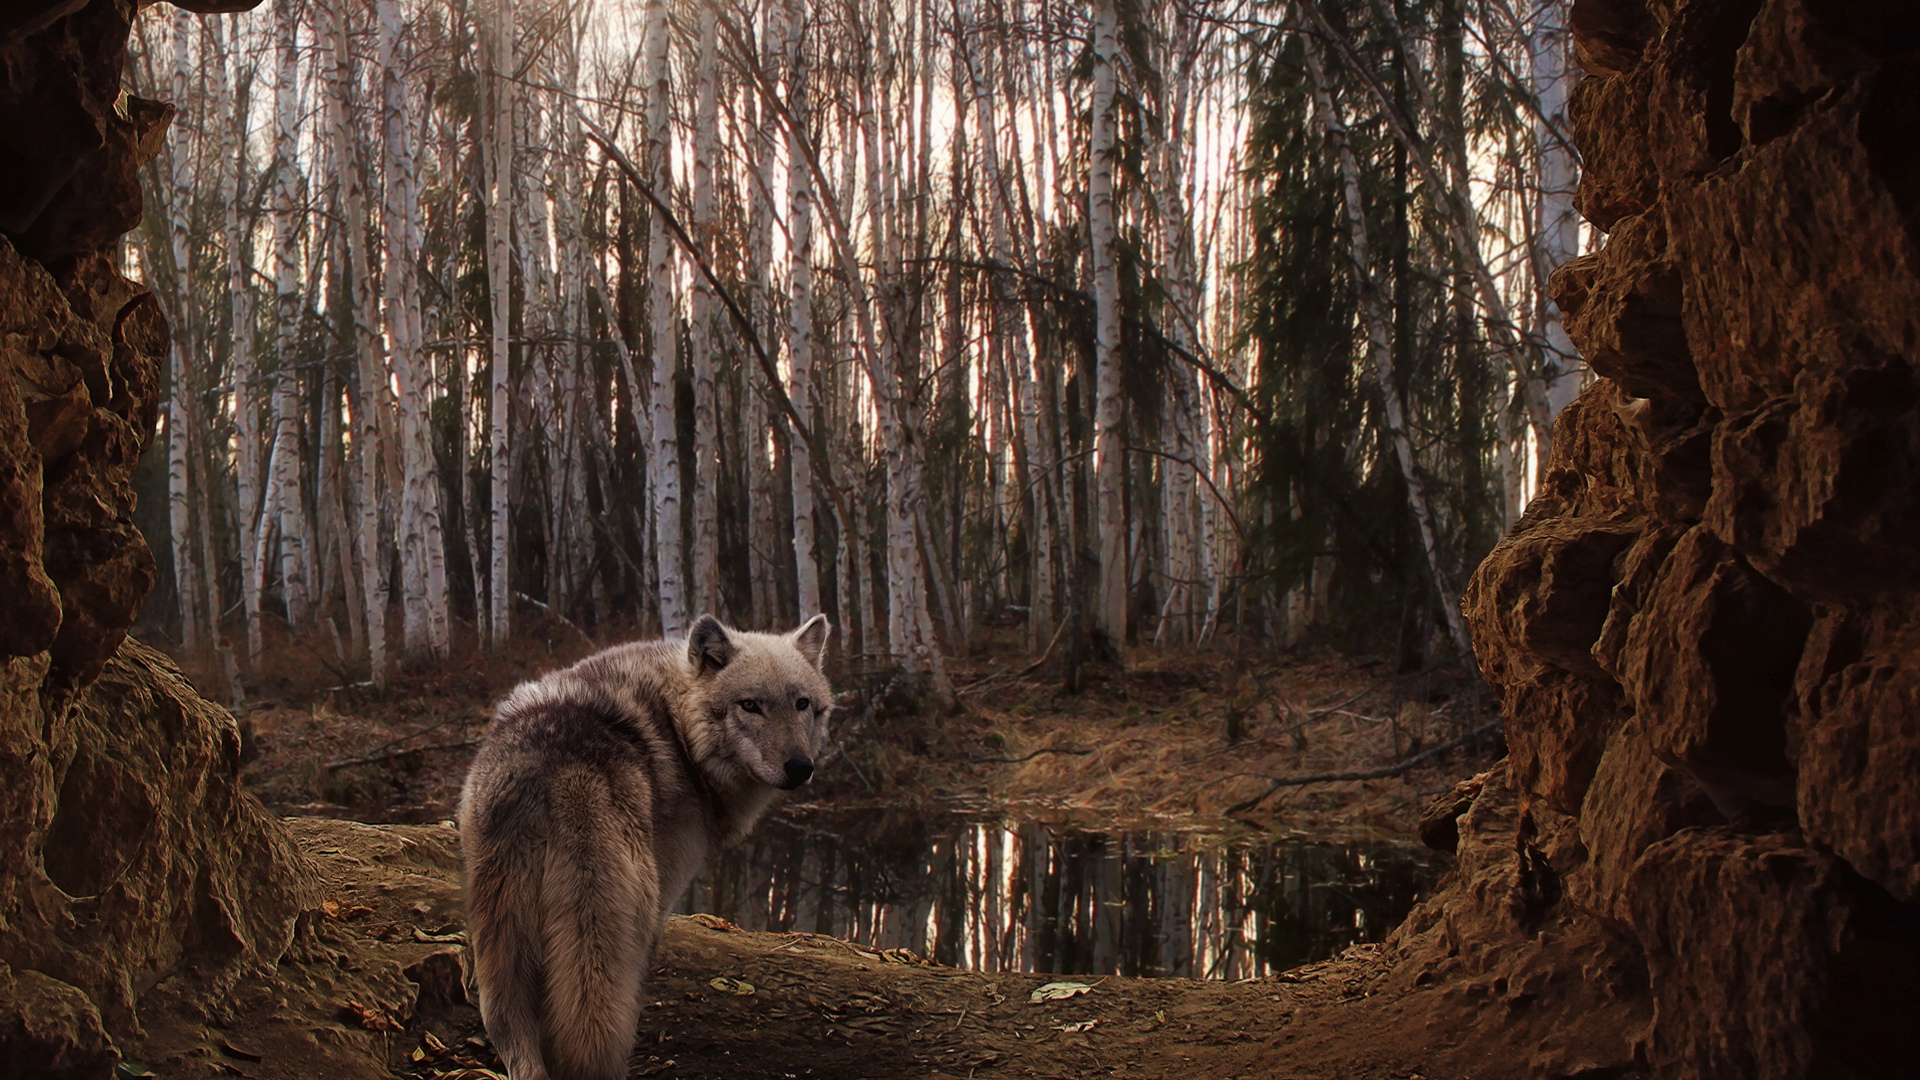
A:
(372, 1019)
(344, 910)
(1058, 991)
(727, 984)
(1076, 1028)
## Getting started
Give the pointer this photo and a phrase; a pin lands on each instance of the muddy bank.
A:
(375, 982)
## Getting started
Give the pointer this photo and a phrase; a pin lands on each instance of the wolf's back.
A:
(561, 882)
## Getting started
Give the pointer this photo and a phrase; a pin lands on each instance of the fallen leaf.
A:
(469, 1074)
(433, 1043)
(1076, 1028)
(127, 1070)
(344, 910)
(729, 985)
(370, 1019)
(1058, 991)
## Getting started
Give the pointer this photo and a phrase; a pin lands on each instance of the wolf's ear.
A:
(811, 640)
(709, 645)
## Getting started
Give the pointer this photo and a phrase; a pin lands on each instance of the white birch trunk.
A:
(180, 409)
(762, 531)
(369, 402)
(800, 322)
(249, 517)
(499, 280)
(705, 554)
(663, 460)
(1556, 231)
(1110, 604)
(288, 497)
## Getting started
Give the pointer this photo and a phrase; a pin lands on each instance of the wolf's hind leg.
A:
(602, 893)
(503, 922)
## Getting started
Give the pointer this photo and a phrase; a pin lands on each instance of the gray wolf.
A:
(596, 797)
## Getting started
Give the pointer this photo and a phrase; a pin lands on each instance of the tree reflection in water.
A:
(1000, 896)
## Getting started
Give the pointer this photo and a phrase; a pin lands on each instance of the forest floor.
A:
(379, 979)
(1182, 740)
(381, 976)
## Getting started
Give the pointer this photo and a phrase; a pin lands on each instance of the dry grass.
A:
(1147, 747)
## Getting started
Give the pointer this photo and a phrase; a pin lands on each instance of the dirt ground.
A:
(1180, 741)
(380, 978)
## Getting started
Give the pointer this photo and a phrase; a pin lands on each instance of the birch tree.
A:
(499, 126)
(800, 306)
(369, 403)
(287, 498)
(180, 412)
(1110, 605)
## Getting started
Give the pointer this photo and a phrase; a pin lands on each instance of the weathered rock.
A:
(1703, 631)
(49, 1030)
(130, 852)
(1440, 821)
(1740, 933)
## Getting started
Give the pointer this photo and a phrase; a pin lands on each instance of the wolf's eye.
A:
(802, 705)
(748, 704)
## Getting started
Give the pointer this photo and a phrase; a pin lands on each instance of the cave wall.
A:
(1705, 632)
(130, 852)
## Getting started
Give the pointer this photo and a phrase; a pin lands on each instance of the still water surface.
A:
(1023, 896)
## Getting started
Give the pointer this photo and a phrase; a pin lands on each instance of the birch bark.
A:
(247, 503)
(705, 553)
(800, 317)
(663, 463)
(288, 502)
(423, 589)
(180, 411)
(762, 533)
(1110, 606)
(368, 404)
(499, 279)
(1556, 231)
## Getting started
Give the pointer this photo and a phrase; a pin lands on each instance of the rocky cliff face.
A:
(130, 852)
(1706, 631)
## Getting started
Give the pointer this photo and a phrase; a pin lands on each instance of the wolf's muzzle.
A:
(799, 771)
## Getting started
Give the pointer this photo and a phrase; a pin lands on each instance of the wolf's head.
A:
(766, 696)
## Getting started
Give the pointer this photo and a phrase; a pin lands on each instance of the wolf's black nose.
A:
(799, 771)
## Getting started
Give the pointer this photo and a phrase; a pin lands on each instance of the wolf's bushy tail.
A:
(600, 918)
(504, 926)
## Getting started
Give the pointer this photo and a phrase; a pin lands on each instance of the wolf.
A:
(597, 795)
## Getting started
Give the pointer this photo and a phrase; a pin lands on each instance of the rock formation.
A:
(1706, 630)
(131, 854)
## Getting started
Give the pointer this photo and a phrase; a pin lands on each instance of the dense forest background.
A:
(1144, 322)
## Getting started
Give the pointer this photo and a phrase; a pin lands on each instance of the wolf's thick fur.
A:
(594, 801)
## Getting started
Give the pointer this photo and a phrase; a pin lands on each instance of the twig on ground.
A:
(1029, 757)
(1336, 706)
(1382, 773)
(374, 759)
(1023, 672)
(376, 755)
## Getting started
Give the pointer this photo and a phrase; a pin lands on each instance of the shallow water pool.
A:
(1025, 896)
